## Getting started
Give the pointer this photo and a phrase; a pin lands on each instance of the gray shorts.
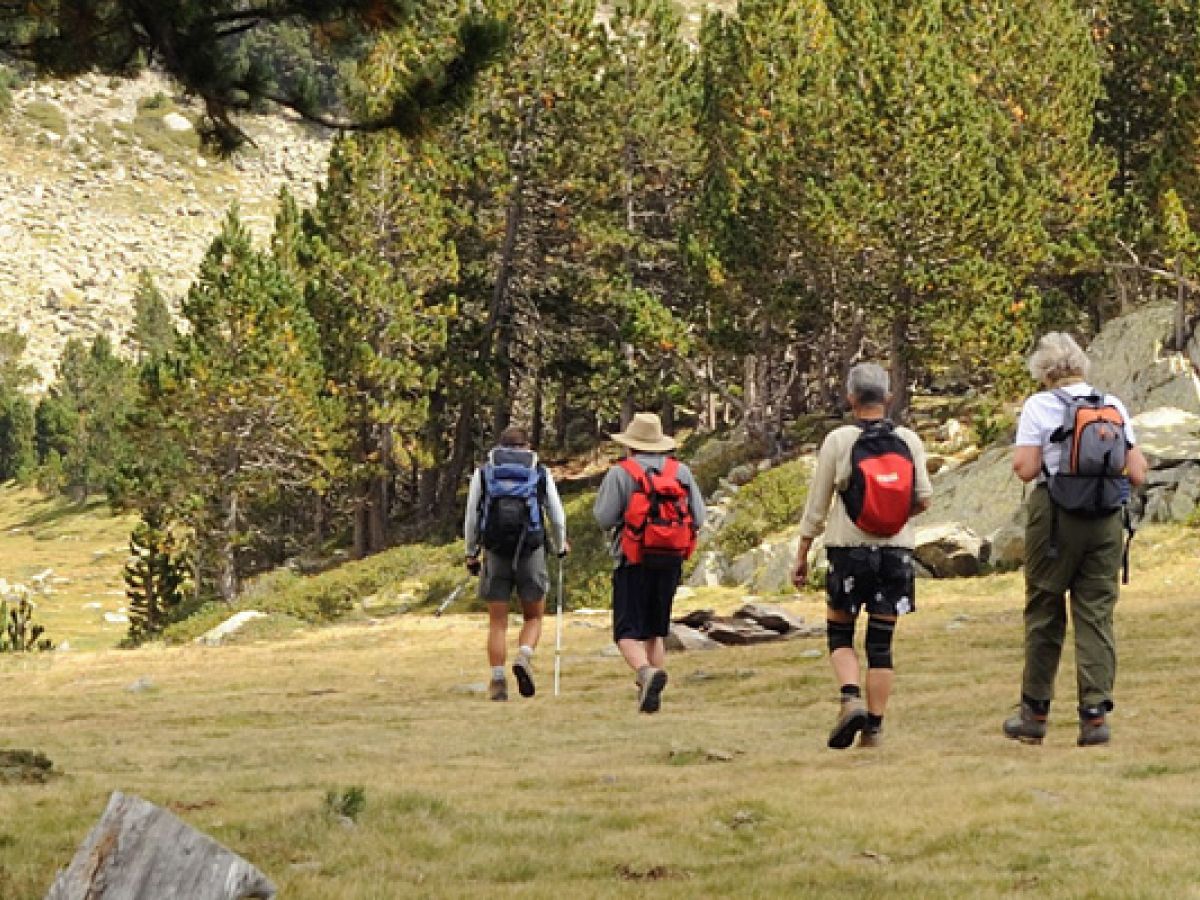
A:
(497, 580)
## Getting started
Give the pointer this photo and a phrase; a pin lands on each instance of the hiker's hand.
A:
(474, 566)
(800, 572)
(566, 548)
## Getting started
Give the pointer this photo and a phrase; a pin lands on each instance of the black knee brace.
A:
(840, 635)
(879, 643)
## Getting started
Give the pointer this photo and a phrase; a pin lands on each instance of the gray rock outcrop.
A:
(1128, 360)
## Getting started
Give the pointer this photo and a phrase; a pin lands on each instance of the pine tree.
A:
(200, 43)
(153, 332)
(156, 579)
(18, 455)
(244, 431)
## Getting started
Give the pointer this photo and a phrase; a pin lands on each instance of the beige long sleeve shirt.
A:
(833, 475)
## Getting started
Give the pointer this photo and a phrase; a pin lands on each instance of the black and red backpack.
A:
(659, 529)
(882, 491)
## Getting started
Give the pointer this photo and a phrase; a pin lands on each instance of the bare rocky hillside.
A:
(104, 178)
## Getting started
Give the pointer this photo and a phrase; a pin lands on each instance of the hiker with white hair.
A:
(1077, 444)
(870, 479)
(652, 503)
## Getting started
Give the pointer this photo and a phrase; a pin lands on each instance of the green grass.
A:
(579, 796)
(47, 116)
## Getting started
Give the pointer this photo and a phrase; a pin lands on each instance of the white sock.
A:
(497, 673)
(525, 651)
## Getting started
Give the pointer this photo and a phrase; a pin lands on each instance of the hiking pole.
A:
(562, 559)
(454, 594)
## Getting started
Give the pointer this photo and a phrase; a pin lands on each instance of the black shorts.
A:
(882, 579)
(642, 601)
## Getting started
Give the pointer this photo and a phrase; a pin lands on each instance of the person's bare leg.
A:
(497, 630)
(635, 653)
(533, 612)
(656, 652)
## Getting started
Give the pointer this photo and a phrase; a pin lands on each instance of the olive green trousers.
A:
(1086, 568)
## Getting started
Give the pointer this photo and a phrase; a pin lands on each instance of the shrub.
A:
(8, 81)
(769, 503)
(347, 803)
(47, 116)
(328, 596)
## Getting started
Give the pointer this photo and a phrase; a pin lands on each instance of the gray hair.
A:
(1057, 358)
(868, 384)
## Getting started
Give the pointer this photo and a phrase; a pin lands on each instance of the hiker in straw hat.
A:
(649, 487)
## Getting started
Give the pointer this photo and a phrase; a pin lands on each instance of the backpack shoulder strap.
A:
(636, 472)
(671, 468)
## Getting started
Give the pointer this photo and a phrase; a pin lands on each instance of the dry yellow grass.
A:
(84, 546)
(580, 797)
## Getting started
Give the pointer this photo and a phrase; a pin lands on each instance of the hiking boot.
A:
(1025, 725)
(851, 720)
(498, 690)
(650, 690)
(1093, 732)
(871, 738)
(523, 670)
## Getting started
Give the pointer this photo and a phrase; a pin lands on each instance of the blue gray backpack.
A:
(511, 521)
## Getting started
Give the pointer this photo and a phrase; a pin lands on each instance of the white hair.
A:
(1057, 358)
(868, 384)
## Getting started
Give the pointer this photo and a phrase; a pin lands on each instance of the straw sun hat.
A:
(645, 433)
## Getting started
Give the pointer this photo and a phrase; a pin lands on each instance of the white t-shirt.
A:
(1043, 414)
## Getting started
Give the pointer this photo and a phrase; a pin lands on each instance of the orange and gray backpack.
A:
(1090, 480)
(659, 530)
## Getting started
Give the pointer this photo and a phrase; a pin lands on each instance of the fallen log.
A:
(139, 851)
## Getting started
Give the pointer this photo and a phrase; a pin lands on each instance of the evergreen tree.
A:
(153, 332)
(202, 44)
(156, 579)
(244, 434)
(18, 456)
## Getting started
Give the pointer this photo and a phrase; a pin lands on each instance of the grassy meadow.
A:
(729, 791)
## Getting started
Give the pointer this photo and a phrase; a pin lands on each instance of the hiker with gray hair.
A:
(652, 503)
(870, 479)
(1078, 446)
(511, 499)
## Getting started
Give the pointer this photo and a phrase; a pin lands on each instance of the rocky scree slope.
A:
(103, 178)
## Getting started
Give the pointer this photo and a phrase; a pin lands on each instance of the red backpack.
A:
(659, 528)
(879, 498)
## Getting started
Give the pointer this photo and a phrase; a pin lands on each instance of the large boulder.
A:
(984, 494)
(1128, 360)
(712, 568)
(950, 551)
(1168, 436)
(1007, 547)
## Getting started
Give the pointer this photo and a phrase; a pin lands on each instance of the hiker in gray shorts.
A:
(511, 498)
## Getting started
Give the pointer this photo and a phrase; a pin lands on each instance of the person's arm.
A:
(1136, 466)
(471, 519)
(1027, 455)
(612, 498)
(556, 514)
(695, 497)
(816, 509)
(1027, 462)
(924, 486)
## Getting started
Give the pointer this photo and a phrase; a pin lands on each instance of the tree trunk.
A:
(138, 850)
(667, 414)
(628, 409)
(538, 424)
(901, 373)
(560, 414)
